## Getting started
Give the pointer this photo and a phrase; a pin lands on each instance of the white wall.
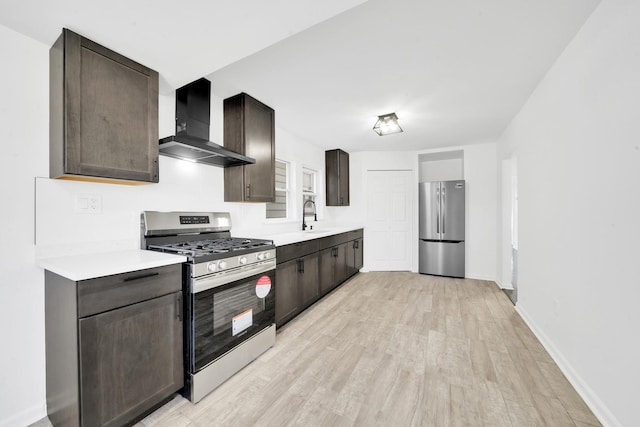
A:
(480, 175)
(24, 118)
(577, 142)
(505, 215)
(441, 170)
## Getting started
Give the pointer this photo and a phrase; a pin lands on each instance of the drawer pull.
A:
(144, 276)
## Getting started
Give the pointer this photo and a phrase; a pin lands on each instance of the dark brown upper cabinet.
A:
(249, 129)
(337, 177)
(103, 114)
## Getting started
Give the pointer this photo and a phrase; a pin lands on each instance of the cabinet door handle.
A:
(143, 276)
(356, 244)
(302, 266)
(248, 192)
(179, 307)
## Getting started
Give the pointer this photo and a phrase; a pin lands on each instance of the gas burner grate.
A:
(197, 248)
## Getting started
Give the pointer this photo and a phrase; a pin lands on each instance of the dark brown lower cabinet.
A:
(129, 357)
(288, 300)
(333, 267)
(114, 348)
(359, 253)
(327, 275)
(354, 256)
(341, 263)
(296, 287)
(309, 279)
(310, 269)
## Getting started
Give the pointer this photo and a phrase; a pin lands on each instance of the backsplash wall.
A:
(63, 229)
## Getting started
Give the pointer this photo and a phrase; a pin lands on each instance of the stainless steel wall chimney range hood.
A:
(191, 141)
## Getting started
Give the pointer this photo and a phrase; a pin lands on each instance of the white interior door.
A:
(389, 220)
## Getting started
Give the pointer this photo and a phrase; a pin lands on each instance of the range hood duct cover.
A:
(191, 141)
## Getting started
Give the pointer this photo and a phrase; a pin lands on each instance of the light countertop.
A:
(280, 239)
(90, 266)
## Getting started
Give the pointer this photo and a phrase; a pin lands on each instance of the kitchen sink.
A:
(316, 230)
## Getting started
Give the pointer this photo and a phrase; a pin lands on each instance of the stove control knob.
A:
(222, 265)
(242, 260)
(211, 267)
(260, 256)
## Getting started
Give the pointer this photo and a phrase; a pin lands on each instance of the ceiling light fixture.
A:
(387, 124)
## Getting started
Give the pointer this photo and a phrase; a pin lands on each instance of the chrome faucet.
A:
(315, 216)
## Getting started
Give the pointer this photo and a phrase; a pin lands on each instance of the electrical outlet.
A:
(88, 203)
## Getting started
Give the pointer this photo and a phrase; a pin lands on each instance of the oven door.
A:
(227, 314)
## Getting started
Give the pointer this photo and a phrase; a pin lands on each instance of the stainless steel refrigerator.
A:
(441, 247)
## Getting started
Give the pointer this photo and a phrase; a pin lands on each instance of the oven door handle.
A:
(205, 283)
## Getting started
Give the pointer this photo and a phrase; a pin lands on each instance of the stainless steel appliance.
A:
(442, 216)
(229, 288)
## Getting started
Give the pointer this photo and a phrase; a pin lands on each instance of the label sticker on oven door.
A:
(263, 286)
(241, 322)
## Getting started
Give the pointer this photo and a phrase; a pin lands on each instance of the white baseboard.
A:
(507, 286)
(480, 277)
(597, 406)
(25, 417)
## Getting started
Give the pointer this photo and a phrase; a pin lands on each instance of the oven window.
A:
(225, 316)
(232, 303)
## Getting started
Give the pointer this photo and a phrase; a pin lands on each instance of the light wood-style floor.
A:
(396, 349)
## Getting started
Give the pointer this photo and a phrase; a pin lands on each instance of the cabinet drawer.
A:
(355, 234)
(296, 250)
(109, 292)
(328, 242)
(335, 240)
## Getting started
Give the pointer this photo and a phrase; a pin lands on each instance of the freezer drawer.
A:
(441, 258)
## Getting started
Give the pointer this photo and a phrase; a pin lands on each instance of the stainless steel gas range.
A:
(229, 287)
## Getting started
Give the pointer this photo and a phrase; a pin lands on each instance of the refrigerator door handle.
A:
(438, 212)
(444, 209)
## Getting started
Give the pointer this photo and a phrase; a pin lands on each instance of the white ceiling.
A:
(182, 40)
(455, 71)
